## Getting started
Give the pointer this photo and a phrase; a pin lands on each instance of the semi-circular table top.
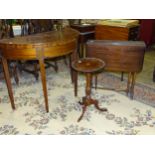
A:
(51, 38)
(51, 44)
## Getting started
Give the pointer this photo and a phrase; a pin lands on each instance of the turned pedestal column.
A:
(88, 66)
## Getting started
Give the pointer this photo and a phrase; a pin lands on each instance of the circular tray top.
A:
(88, 65)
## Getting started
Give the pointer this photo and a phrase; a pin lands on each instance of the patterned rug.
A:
(124, 116)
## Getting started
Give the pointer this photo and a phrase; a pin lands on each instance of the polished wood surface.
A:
(126, 56)
(25, 47)
(119, 56)
(105, 32)
(88, 66)
(38, 47)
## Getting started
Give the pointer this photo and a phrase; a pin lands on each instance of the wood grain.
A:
(104, 32)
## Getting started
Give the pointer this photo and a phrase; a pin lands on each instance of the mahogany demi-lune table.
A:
(38, 47)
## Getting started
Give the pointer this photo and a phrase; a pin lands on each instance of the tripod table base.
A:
(86, 101)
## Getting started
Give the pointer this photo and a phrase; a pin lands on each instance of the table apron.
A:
(31, 53)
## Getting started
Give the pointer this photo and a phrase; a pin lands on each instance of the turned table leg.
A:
(8, 81)
(87, 100)
(88, 85)
(131, 84)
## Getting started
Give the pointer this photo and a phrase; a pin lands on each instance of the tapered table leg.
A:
(43, 78)
(122, 75)
(95, 81)
(132, 85)
(70, 68)
(8, 81)
(128, 84)
(75, 77)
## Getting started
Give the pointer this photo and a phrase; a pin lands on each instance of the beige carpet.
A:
(124, 116)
